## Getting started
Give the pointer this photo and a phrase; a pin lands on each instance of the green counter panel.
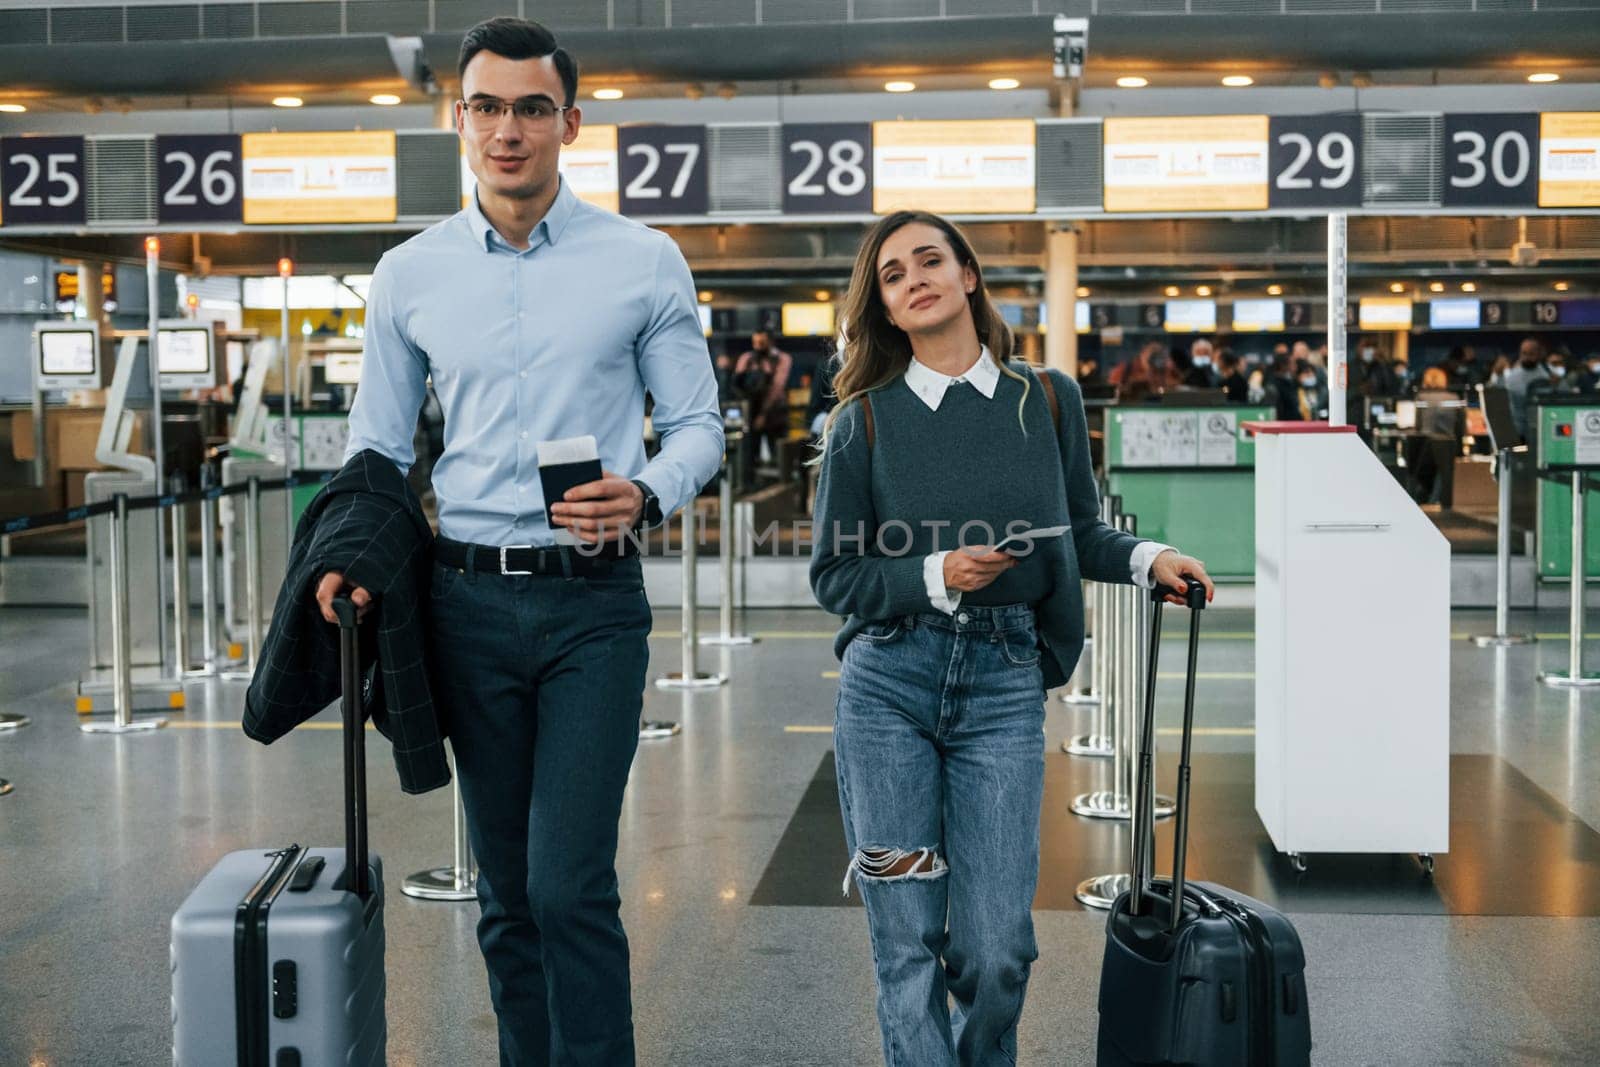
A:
(1567, 435)
(1210, 515)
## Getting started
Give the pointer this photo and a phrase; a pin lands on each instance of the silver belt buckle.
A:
(507, 548)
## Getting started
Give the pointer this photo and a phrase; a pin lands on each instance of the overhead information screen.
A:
(807, 320)
(1569, 159)
(1385, 313)
(1080, 314)
(1186, 164)
(957, 167)
(1462, 313)
(1253, 316)
(589, 164)
(319, 177)
(1191, 316)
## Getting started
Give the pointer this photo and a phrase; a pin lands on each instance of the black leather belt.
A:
(526, 559)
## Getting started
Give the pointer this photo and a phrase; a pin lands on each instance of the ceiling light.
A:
(1397, 287)
(1436, 287)
(705, 296)
(12, 109)
(727, 90)
(1238, 81)
(1328, 80)
(1132, 81)
(1172, 290)
(1469, 287)
(608, 94)
(385, 99)
(1562, 287)
(1202, 290)
(1544, 79)
(694, 91)
(822, 296)
(899, 87)
(1003, 83)
(1361, 79)
(287, 101)
(1274, 290)
(1083, 290)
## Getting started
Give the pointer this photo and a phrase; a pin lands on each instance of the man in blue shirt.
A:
(538, 318)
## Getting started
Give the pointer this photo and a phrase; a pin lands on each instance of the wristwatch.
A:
(650, 516)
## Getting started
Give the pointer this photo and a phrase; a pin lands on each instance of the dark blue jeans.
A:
(542, 678)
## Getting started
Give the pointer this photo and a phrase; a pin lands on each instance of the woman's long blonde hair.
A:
(875, 351)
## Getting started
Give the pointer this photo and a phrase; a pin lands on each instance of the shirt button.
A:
(963, 617)
(523, 435)
(522, 374)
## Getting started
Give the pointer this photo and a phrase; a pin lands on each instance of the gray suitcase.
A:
(277, 960)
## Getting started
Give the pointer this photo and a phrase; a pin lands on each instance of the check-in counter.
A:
(1189, 474)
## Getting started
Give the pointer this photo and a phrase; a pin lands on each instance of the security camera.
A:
(1071, 46)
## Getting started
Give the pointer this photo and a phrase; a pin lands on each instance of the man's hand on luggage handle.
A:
(599, 511)
(331, 585)
(1173, 569)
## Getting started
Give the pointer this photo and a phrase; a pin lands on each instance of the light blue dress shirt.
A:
(557, 341)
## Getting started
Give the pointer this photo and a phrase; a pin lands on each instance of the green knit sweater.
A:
(968, 466)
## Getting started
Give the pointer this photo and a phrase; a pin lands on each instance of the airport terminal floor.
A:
(744, 952)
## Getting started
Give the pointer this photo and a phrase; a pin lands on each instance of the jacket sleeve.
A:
(847, 576)
(1104, 554)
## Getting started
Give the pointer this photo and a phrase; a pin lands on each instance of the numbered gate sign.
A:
(1315, 161)
(827, 168)
(198, 178)
(663, 170)
(1491, 160)
(41, 179)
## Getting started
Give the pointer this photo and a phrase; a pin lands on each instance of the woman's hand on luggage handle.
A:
(967, 570)
(1173, 570)
(331, 585)
(599, 511)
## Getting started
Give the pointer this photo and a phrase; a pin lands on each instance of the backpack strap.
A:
(1049, 396)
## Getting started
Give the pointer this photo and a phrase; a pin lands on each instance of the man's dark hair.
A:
(516, 38)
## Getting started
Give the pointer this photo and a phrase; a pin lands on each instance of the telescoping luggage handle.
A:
(357, 877)
(1144, 827)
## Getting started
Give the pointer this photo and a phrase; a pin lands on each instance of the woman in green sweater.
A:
(942, 446)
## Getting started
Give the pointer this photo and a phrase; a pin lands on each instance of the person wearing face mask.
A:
(1311, 395)
(1588, 381)
(1528, 370)
(940, 440)
(1202, 373)
(1282, 389)
(1556, 383)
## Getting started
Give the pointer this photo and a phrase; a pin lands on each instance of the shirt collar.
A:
(549, 230)
(930, 385)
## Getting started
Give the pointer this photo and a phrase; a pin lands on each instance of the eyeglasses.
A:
(485, 112)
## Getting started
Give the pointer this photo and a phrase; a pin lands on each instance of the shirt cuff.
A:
(1144, 555)
(943, 599)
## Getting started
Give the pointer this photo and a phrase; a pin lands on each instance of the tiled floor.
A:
(731, 859)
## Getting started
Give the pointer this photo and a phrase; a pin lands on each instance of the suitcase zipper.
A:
(1262, 1042)
(249, 959)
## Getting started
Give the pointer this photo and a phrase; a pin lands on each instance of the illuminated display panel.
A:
(1191, 316)
(1386, 313)
(1253, 316)
(328, 177)
(807, 320)
(1216, 163)
(1569, 159)
(1463, 313)
(960, 167)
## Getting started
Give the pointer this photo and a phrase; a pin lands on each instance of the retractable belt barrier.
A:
(119, 507)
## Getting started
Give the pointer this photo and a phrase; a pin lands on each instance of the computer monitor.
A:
(67, 355)
(186, 352)
(1496, 404)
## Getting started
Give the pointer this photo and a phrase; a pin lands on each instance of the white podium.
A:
(1352, 651)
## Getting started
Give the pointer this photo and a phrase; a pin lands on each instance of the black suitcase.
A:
(1220, 982)
(277, 956)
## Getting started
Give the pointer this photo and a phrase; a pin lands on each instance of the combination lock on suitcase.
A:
(1218, 979)
(277, 955)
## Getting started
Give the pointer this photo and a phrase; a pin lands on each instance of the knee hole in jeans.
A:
(895, 864)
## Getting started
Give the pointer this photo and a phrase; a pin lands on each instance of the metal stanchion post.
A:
(459, 881)
(690, 677)
(1097, 743)
(1574, 677)
(121, 652)
(727, 552)
(210, 638)
(744, 530)
(1502, 563)
(252, 567)
(1080, 687)
(180, 588)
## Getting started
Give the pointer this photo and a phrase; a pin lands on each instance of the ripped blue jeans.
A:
(939, 744)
